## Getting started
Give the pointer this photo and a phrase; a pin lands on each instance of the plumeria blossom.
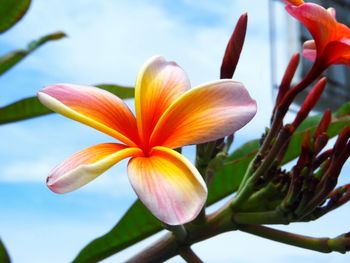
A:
(331, 44)
(168, 115)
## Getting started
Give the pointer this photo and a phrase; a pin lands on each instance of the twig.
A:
(189, 256)
(325, 245)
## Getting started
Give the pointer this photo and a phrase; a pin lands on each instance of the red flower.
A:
(331, 44)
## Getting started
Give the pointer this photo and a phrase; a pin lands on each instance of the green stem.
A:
(221, 222)
(324, 245)
(179, 232)
(258, 200)
(249, 186)
(270, 217)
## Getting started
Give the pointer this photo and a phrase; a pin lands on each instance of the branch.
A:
(168, 247)
(339, 244)
(189, 256)
(223, 221)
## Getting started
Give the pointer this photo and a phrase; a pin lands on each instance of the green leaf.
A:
(4, 256)
(11, 59)
(120, 91)
(31, 107)
(11, 11)
(137, 224)
(334, 128)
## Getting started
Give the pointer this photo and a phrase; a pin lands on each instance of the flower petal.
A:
(320, 22)
(159, 83)
(294, 2)
(94, 107)
(205, 113)
(338, 52)
(86, 165)
(309, 50)
(169, 185)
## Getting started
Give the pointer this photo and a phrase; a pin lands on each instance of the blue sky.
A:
(108, 42)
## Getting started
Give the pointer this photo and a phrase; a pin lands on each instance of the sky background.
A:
(108, 43)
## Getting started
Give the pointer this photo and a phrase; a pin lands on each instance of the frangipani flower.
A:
(168, 115)
(331, 44)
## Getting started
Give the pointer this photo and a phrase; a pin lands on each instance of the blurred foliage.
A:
(11, 11)
(4, 256)
(9, 60)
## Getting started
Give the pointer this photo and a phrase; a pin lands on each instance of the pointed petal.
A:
(169, 185)
(94, 107)
(205, 113)
(159, 83)
(86, 165)
(332, 11)
(320, 22)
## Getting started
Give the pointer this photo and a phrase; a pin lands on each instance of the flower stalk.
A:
(339, 244)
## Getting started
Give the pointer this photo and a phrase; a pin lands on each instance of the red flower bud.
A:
(234, 48)
(287, 77)
(310, 102)
(324, 123)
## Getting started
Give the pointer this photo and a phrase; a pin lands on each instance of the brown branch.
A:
(324, 245)
(189, 256)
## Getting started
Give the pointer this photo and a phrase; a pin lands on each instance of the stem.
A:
(324, 245)
(221, 222)
(283, 107)
(248, 188)
(179, 231)
(167, 246)
(189, 256)
(269, 217)
(259, 199)
(201, 165)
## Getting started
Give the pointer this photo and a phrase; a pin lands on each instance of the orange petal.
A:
(295, 2)
(338, 52)
(159, 83)
(205, 113)
(169, 185)
(86, 165)
(94, 107)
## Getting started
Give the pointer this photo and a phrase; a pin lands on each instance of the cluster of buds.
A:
(307, 191)
(315, 175)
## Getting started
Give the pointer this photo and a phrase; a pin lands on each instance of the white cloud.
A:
(114, 182)
(26, 171)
